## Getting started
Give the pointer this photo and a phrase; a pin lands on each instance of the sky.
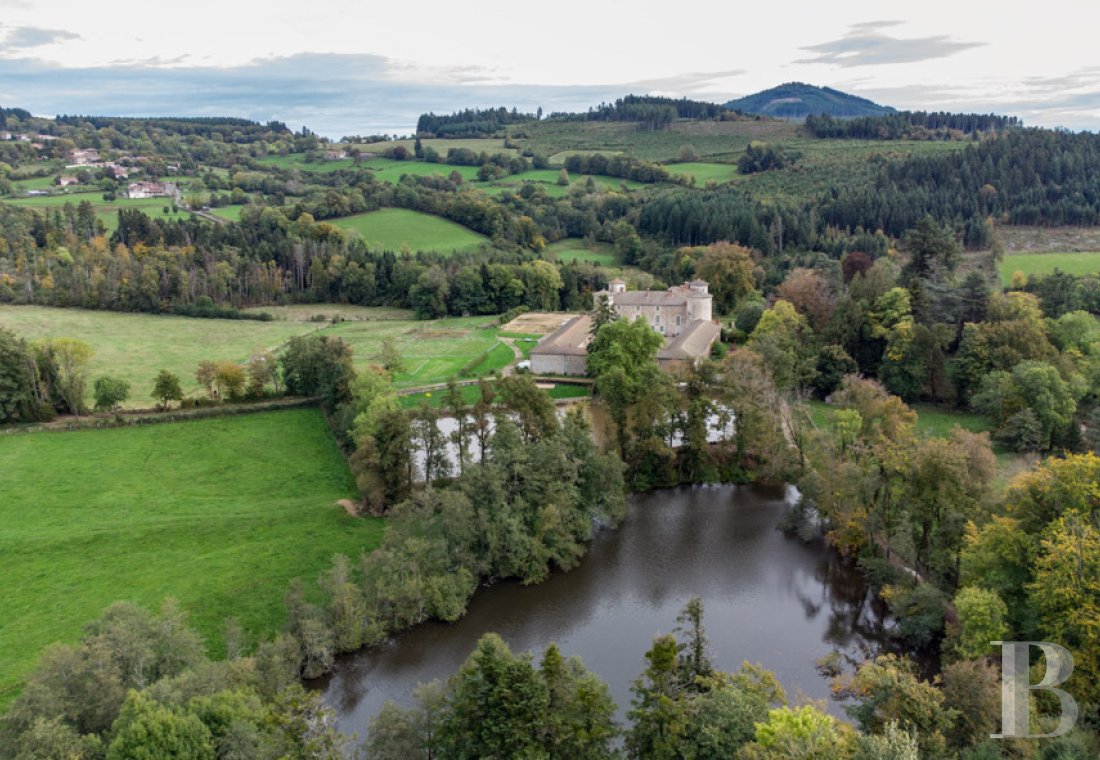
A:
(354, 67)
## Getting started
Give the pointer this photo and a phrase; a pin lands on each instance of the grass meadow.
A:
(1077, 263)
(219, 513)
(392, 228)
(135, 347)
(703, 172)
(107, 211)
(575, 249)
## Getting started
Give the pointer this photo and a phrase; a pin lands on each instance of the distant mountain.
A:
(796, 101)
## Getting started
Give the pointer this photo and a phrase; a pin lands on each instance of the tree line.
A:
(908, 125)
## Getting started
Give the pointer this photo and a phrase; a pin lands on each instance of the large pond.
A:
(768, 598)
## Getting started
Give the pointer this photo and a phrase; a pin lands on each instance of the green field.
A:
(703, 172)
(298, 161)
(488, 145)
(135, 347)
(1045, 263)
(433, 350)
(932, 421)
(575, 249)
(107, 211)
(393, 228)
(218, 513)
(388, 170)
(547, 179)
(232, 213)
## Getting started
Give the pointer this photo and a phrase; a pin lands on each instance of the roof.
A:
(569, 339)
(677, 295)
(693, 342)
(617, 281)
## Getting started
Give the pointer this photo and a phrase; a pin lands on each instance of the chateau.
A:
(682, 314)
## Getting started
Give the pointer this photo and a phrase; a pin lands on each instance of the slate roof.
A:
(570, 339)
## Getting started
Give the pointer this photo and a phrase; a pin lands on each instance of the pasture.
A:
(106, 211)
(432, 350)
(394, 228)
(220, 514)
(488, 145)
(134, 347)
(703, 172)
(298, 161)
(389, 170)
(575, 249)
(232, 213)
(1075, 263)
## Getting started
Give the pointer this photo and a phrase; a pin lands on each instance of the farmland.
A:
(219, 514)
(388, 170)
(134, 347)
(573, 249)
(106, 211)
(703, 172)
(394, 228)
(1075, 263)
(432, 350)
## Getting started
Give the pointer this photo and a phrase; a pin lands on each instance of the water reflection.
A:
(769, 599)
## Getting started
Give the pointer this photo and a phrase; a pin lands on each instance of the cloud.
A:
(333, 94)
(865, 45)
(870, 26)
(682, 84)
(24, 37)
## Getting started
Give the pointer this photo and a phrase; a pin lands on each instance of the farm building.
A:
(65, 180)
(682, 314)
(151, 190)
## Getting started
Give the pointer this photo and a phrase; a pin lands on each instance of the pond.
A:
(769, 599)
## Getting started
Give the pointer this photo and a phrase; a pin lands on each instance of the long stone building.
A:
(682, 314)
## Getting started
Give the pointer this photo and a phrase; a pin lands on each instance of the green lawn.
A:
(135, 347)
(932, 421)
(433, 350)
(218, 513)
(575, 249)
(392, 228)
(1045, 263)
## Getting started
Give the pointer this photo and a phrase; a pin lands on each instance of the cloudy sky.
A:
(349, 66)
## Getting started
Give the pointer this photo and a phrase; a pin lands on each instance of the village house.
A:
(151, 190)
(5, 136)
(67, 179)
(682, 314)
(83, 157)
(335, 155)
(115, 170)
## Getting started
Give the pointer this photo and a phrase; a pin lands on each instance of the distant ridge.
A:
(796, 101)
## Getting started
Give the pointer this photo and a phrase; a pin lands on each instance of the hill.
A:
(796, 100)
